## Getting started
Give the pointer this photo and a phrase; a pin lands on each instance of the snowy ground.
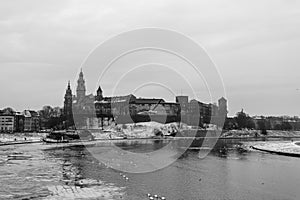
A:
(284, 147)
(145, 130)
(138, 130)
(21, 137)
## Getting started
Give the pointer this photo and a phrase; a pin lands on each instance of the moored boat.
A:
(67, 136)
(60, 137)
(49, 140)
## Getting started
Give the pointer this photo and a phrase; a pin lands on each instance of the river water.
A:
(37, 171)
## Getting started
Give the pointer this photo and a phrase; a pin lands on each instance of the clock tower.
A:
(68, 107)
(81, 90)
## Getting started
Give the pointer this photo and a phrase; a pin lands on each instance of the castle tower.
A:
(80, 91)
(68, 106)
(223, 107)
(99, 95)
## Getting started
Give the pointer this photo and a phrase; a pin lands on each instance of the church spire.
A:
(69, 86)
(68, 90)
(80, 86)
(99, 90)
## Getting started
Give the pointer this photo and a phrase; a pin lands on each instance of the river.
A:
(37, 171)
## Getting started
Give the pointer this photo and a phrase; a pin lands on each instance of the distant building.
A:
(19, 122)
(31, 121)
(7, 123)
(27, 121)
(205, 113)
(7, 120)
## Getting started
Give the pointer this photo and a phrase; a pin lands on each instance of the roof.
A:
(182, 96)
(117, 99)
(148, 101)
(194, 101)
(8, 111)
(222, 99)
(30, 113)
(99, 89)
(33, 113)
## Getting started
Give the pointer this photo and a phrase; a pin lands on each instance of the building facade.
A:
(90, 111)
(31, 121)
(11, 121)
(195, 112)
(7, 123)
(19, 122)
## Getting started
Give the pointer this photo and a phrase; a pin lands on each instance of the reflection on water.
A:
(221, 148)
(229, 172)
(141, 146)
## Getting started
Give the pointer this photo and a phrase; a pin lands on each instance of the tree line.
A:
(243, 121)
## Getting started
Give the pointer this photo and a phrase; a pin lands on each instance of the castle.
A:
(91, 111)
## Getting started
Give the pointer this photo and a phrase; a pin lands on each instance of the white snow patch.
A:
(284, 147)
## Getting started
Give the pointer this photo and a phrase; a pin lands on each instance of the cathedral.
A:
(89, 110)
(79, 105)
(92, 112)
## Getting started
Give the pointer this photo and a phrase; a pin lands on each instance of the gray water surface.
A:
(48, 172)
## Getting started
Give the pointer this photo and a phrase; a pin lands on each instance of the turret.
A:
(68, 90)
(99, 95)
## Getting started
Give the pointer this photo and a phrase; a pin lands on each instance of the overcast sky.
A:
(254, 43)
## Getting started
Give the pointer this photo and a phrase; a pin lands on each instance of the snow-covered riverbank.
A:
(21, 137)
(280, 147)
(148, 130)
